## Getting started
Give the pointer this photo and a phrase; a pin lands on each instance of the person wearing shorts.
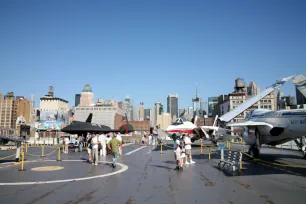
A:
(188, 143)
(179, 156)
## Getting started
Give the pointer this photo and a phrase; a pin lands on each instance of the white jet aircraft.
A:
(274, 127)
(215, 132)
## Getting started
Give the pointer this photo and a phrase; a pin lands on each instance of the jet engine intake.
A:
(276, 131)
(125, 129)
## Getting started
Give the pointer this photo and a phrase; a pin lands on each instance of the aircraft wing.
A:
(247, 104)
(248, 123)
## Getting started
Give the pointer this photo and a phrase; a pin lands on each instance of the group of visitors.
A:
(103, 145)
(182, 150)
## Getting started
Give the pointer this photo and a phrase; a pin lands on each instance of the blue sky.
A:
(148, 49)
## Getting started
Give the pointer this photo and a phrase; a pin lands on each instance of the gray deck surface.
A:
(150, 178)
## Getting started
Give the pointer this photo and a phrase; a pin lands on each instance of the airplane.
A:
(272, 128)
(275, 127)
(217, 131)
(78, 127)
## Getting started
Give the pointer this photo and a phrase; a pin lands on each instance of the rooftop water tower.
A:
(239, 85)
(51, 91)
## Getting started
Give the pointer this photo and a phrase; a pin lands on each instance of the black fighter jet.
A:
(78, 127)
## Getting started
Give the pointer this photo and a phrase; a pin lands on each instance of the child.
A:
(179, 155)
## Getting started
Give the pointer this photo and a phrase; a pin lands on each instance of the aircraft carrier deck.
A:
(146, 176)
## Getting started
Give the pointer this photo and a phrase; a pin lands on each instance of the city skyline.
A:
(121, 49)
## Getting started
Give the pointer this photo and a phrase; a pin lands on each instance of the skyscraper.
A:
(181, 112)
(156, 111)
(6, 107)
(196, 101)
(190, 112)
(172, 105)
(141, 112)
(129, 102)
(135, 113)
(212, 101)
(147, 113)
(77, 99)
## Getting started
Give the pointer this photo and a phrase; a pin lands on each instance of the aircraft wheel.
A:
(257, 134)
(254, 152)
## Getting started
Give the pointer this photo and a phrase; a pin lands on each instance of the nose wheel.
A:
(254, 150)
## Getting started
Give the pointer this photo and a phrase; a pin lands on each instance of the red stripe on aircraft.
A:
(188, 131)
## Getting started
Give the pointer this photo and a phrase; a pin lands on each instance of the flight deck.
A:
(144, 174)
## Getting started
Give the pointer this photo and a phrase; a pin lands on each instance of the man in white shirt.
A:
(150, 139)
(188, 143)
(95, 149)
(102, 139)
(120, 139)
(66, 142)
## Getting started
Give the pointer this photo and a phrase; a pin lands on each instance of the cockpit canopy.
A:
(179, 121)
(259, 112)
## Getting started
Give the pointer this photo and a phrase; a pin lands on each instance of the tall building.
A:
(21, 108)
(163, 120)
(6, 109)
(141, 112)
(203, 108)
(135, 113)
(147, 114)
(172, 105)
(212, 102)
(87, 96)
(196, 101)
(190, 112)
(129, 111)
(181, 112)
(156, 111)
(53, 109)
(77, 99)
(253, 89)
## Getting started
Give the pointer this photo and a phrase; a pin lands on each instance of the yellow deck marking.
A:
(47, 168)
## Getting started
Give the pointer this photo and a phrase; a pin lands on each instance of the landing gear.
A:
(304, 152)
(301, 145)
(254, 150)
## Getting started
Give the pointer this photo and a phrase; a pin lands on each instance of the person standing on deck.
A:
(113, 145)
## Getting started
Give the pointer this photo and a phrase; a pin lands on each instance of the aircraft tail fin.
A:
(88, 120)
(300, 83)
